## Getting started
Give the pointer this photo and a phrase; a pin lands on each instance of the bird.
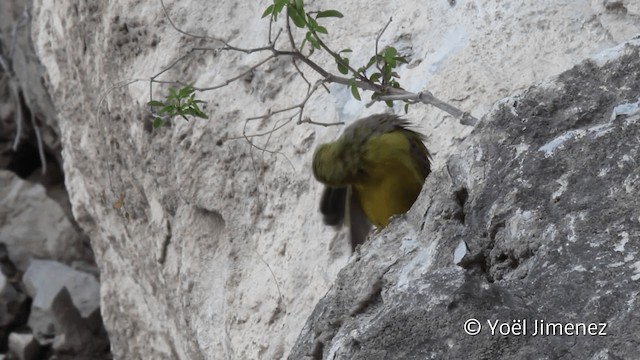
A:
(374, 170)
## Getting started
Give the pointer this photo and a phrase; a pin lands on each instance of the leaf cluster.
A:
(385, 75)
(179, 102)
(385, 62)
(303, 20)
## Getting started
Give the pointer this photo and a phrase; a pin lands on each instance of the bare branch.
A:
(263, 149)
(308, 120)
(239, 76)
(338, 58)
(427, 98)
(378, 40)
(383, 92)
(295, 65)
(166, 13)
(290, 35)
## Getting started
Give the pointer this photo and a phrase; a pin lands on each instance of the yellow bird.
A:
(375, 170)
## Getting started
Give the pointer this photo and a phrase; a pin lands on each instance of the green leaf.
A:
(268, 11)
(169, 109)
(355, 92)
(345, 51)
(389, 103)
(329, 13)
(201, 115)
(390, 53)
(188, 111)
(390, 56)
(157, 122)
(375, 77)
(279, 5)
(321, 29)
(312, 40)
(391, 62)
(406, 108)
(342, 65)
(185, 91)
(155, 103)
(173, 95)
(373, 60)
(296, 18)
(313, 25)
(401, 59)
(300, 5)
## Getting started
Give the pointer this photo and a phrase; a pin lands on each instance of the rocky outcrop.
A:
(47, 309)
(542, 198)
(65, 311)
(209, 245)
(35, 225)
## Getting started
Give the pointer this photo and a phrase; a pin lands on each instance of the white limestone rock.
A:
(24, 347)
(215, 249)
(65, 301)
(33, 225)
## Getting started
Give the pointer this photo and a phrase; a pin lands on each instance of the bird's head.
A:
(332, 166)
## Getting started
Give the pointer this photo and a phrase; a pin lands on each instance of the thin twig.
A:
(36, 129)
(300, 106)
(427, 98)
(253, 145)
(272, 275)
(307, 120)
(289, 33)
(270, 29)
(378, 40)
(295, 65)
(166, 13)
(229, 81)
(337, 57)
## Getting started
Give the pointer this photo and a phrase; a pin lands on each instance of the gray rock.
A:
(24, 347)
(33, 225)
(66, 304)
(544, 193)
(11, 301)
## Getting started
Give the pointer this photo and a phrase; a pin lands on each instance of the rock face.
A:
(66, 308)
(210, 247)
(35, 217)
(545, 194)
(35, 225)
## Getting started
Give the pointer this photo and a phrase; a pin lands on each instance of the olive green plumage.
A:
(376, 169)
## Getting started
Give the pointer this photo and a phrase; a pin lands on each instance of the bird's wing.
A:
(332, 205)
(359, 225)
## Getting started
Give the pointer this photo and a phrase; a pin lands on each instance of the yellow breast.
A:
(393, 180)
